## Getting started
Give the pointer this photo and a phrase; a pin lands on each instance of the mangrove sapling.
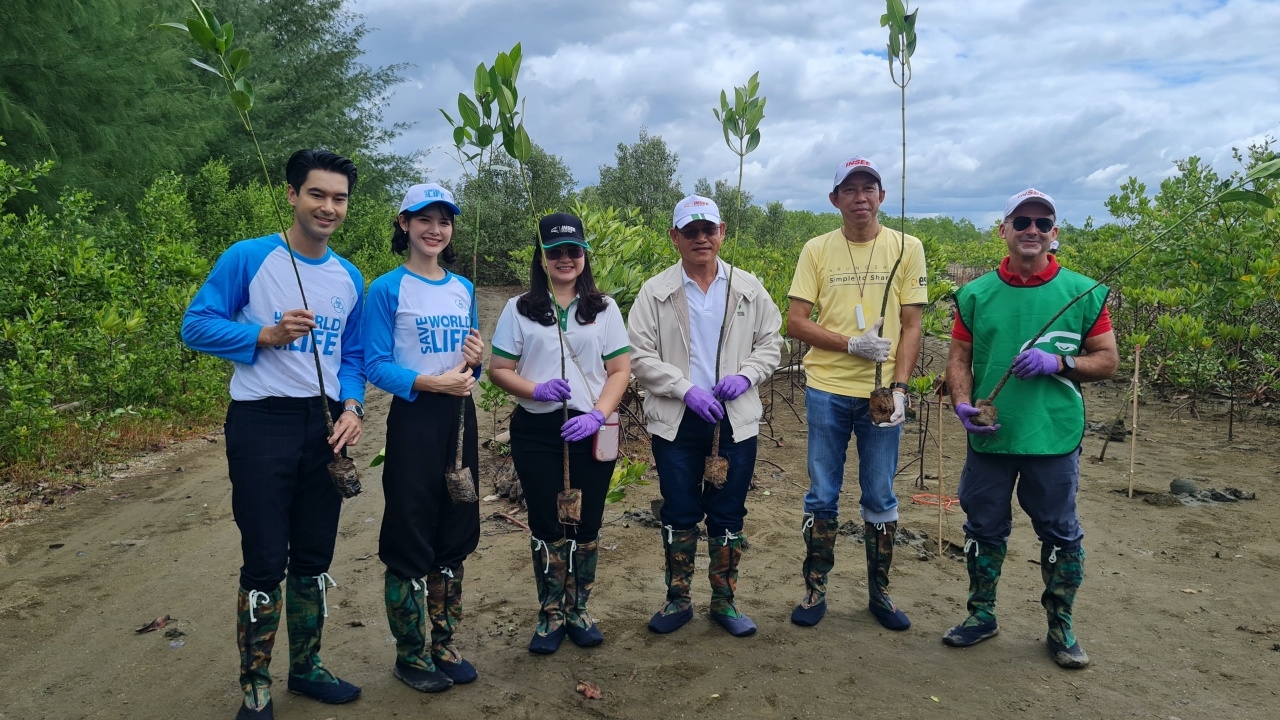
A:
(902, 44)
(217, 38)
(741, 123)
(1270, 170)
(516, 143)
(473, 136)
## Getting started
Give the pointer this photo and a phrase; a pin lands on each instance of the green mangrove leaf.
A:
(1269, 170)
(1251, 197)
(201, 33)
(239, 58)
(210, 68)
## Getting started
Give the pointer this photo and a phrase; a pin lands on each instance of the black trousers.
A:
(538, 453)
(422, 529)
(281, 496)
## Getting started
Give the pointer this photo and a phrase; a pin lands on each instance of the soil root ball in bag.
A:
(987, 415)
(342, 470)
(569, 506)
(881, 405)
(462, 489)
(716, 471)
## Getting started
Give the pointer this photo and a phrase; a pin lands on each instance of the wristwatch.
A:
(899, 386)
(1068, 364)
(358, 409)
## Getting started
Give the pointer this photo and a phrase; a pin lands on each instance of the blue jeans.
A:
(686, 500)
(832, 419)
(1046, 486)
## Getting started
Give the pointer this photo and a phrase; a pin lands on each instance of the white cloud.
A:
(1070, 97)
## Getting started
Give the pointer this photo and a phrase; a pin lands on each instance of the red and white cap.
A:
(857, 163)
(695, 207)
(1026, 196)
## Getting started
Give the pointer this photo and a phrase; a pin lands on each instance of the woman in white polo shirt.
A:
(527, 362)
(425, 350)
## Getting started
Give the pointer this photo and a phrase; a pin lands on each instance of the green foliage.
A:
(626, 473)
(492, 399)
(94, 301)
(91, 86)
(643, 178)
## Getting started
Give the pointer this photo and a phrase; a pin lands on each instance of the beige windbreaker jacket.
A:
(659, 329)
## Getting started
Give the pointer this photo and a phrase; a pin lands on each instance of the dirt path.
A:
(1180, 610)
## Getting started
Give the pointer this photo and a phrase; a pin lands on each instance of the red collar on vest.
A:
(1039, 278)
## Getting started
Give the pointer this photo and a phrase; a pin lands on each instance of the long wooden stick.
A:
(1133, 446)
(940, 507)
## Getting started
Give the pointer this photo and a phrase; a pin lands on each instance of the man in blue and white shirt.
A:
(251, 311)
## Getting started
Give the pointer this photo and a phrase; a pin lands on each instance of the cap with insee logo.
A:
(695, 207)
(560, 229)
(1026, 196)
(420, 196)
(857, 163)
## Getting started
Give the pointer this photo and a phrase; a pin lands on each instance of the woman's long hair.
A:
(536, 304)
(400, 238)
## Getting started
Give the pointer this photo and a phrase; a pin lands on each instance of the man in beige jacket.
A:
(693, 314)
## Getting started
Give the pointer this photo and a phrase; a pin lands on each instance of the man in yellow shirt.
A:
(844, 274)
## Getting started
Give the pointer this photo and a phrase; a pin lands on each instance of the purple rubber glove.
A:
(704, 404)
(1034, 362)
(729, 388)
(966, 413)
(582, 427)
(556, 390)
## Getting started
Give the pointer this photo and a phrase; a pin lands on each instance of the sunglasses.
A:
(1022, 222)
(691, 232)
(573, 251)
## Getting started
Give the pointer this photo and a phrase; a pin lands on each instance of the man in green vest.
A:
(1041, 416)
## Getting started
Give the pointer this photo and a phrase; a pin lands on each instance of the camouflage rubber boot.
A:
(550, 568)
(820, 556)
(983, 561)
(306, 607)
(257, 619)
(444, 601)
(680, 548)
(726, 552)
(580, 577)
(1062, 573)
(406, 614)
(879, 541)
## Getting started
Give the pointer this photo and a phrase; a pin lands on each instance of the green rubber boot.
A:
(257, 620)
(1062, 573)
(984, 561)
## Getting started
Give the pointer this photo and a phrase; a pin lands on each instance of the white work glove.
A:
(899, 411)
(870, 345)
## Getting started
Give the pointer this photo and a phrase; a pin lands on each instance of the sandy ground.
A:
(1179, 612)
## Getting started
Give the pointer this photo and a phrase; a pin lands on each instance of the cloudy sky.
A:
(1071, 97)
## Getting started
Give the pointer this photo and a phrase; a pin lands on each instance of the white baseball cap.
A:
(1026, 196)
(857, 163)
(695, 207)
(420, 196)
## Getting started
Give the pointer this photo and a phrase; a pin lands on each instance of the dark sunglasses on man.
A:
(555, 253)
(693, 231)
(1022, 222)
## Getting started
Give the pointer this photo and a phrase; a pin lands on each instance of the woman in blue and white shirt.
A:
(527, 362)
(424, 348)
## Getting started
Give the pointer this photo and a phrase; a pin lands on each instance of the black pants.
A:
(283, 500)
(538, 453)
(422, 529)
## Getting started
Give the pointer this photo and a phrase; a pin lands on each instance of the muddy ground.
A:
(1180, 610)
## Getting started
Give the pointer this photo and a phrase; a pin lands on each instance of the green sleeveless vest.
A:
(1043, 415)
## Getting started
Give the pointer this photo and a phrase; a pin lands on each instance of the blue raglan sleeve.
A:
(379, 333)
(207, 326)
(475, 323)
(351, 371)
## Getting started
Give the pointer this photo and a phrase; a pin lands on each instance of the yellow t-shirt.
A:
(830, 275)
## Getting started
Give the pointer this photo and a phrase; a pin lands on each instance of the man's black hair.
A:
(302, 162)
